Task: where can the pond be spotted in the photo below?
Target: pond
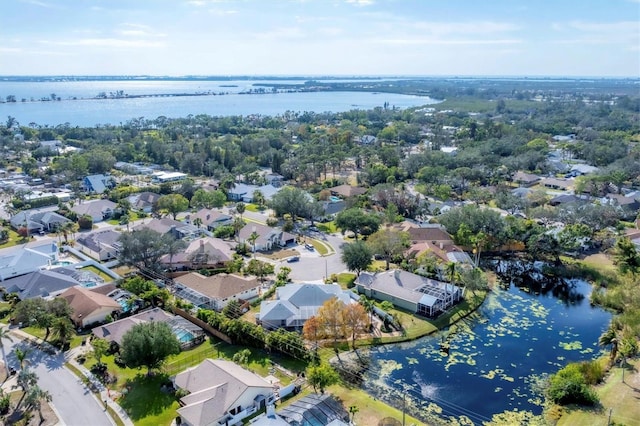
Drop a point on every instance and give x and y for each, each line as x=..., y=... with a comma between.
x=493, y=356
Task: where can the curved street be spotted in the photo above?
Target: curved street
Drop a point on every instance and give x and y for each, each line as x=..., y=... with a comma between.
x=74, y=404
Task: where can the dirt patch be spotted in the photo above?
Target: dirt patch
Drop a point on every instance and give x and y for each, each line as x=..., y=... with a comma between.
x=19, y=416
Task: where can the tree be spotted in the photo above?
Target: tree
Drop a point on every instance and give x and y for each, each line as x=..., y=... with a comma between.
x=321, y=376
x=357, y=221
x=357, y=256
x=100, y=349
x=35, y=397
x=626, y=256
x=331, y=318
x=388, y=243
x=242, y=357
x=312, y=331
x=355, y=321
x=21, y=356
x=62, y=330
x=41, y=313
x=5, y=334
x=232, y=309
x=208, y=200
x=290, y=200
x=143, y=247
x=259, y=269
x=173, y=204
x=148, y=345
x=252, y=240
x=240, y=208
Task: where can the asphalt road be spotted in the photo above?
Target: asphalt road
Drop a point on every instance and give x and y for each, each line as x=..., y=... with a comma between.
x=75, y=404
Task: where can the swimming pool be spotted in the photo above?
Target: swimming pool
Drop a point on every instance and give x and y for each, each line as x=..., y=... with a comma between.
x=334, y=199
x=89, y=284
x=184, y=336
x=62, y=263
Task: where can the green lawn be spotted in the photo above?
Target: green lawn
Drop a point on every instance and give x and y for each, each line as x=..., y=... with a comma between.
x=621, y=398
x=319, y=246
x=13, y=240
x=145, y=403
x=98, y=272
x=328, y=227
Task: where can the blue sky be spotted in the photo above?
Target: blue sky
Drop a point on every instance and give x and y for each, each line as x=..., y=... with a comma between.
x=320, y=37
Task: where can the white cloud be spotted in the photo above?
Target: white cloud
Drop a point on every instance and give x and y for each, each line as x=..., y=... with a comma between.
x=105, y=42
x=10, y=49
x=41, y=4
x=436, y=41
x=222, y=12
x=360, y=2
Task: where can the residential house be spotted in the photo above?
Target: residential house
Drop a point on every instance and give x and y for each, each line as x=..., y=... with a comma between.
x=629, y=206
x=144, y=201
x=555, y=183
x=274, y=179
x=184, y=330
x=216, y=291
x=268, y=238
x=526, y=179
x=89, y=307
x=98, y=184
x=165, y=225
x=23, y=259
x=210, y=218
x=409, y=291
x=166, y=177
x=205, y=252
x=346, y=191
x=565, y=199
x=100, y=245
x=42, y=283
x=243, y=192
x=99, y=210
x=38, y=220
x=366, y=140
x=221, y=393
x=294, y=304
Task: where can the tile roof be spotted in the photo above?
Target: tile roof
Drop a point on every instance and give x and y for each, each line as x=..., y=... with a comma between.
x=84, y=302
x=218, y=286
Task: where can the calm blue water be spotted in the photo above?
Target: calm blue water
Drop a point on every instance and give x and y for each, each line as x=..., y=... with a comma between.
x=86, y=111
x=184, y=336
x=493, y=356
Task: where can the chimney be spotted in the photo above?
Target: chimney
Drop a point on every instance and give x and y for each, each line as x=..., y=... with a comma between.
x=441, y=245
x=271, y=411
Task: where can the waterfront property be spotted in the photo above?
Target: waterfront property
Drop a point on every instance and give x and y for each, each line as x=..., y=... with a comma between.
x=409, y=291
x=294, y=304
x=221, y=393
x=216, y=291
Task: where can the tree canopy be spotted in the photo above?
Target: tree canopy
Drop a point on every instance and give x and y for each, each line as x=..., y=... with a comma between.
x=148, y=345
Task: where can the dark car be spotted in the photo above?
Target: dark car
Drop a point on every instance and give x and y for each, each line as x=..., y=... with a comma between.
x=293, y=259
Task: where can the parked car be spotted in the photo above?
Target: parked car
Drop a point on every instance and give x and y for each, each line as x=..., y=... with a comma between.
x=309, y=246
x=293, y=259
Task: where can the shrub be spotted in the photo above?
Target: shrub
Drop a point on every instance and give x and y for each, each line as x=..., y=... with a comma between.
x=569, y=386
x=272, y=221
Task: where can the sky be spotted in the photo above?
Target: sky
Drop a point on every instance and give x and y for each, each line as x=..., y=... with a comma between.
x=321, y=37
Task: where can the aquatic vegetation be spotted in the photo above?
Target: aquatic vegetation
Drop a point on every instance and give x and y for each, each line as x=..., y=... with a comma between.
x=571, y=346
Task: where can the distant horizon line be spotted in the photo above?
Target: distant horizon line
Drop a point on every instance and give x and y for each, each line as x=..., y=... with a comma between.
x=320, y=76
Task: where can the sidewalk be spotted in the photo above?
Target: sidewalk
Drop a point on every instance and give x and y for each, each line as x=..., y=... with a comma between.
x=104, y=395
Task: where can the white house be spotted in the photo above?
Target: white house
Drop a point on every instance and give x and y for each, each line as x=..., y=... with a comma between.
x=20, y=260
x=221, y=393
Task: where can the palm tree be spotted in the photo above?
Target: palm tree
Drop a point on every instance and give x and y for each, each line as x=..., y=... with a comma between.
x=610, y=337
x=4, y=334
x=21, y=356
x=197, y=222
x=252, y=239
x=34, y=398
x=368, y=306
x=240, y=208
x=62, y=330
x=26, y=380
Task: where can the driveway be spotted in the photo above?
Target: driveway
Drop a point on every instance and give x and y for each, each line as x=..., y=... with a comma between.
x=74, y=403
x=312, y=267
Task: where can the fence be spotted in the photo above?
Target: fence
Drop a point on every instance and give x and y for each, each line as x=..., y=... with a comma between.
x=197, y=357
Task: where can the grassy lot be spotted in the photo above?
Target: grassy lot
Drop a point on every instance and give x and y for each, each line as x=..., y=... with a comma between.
x=146, y=404
x=345, y=279
x=621, y=398
x=13, y=240
x=328, y=227
x=318, y=245
x=98, y=272
x=75, y=341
